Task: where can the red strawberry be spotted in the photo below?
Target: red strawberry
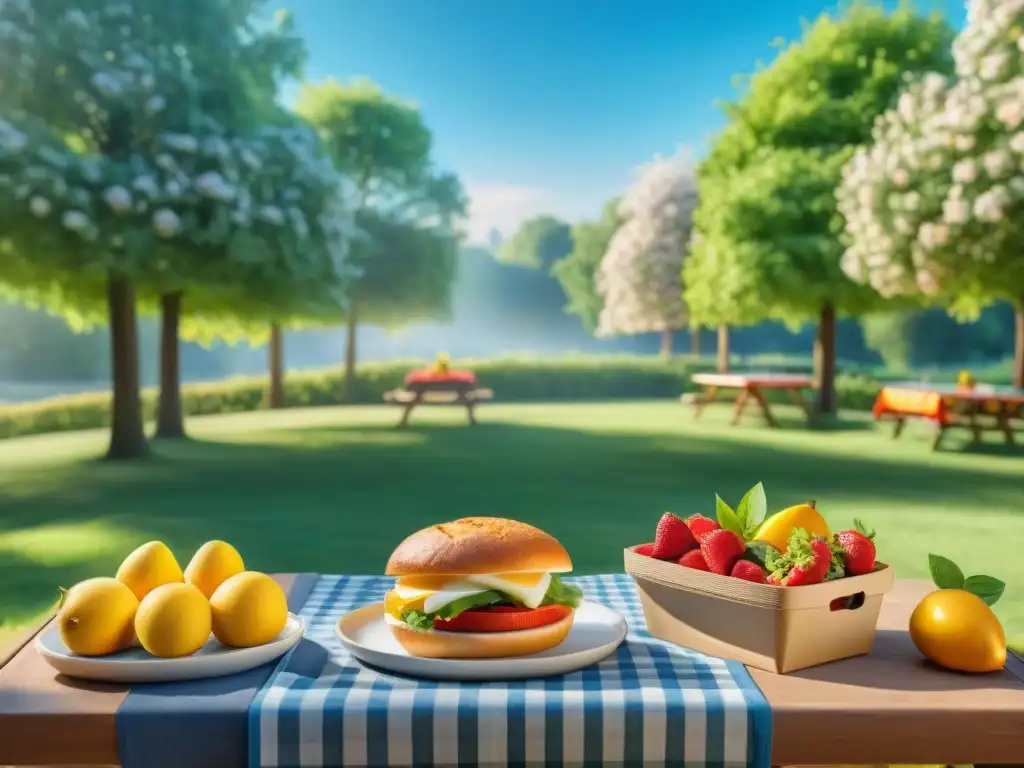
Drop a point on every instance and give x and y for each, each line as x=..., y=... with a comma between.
x=721, y=550
x=694, y=559
x=838, y=604
x=647, y=550
x=809, y=568
x=748, y=571
x=858, y=549
x=701, y=526
x=672, y=538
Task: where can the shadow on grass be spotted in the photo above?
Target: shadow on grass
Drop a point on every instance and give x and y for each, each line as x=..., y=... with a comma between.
x=338, y=499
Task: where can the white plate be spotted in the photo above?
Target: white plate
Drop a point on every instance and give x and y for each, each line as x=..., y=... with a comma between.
x=596, y=632
x=135, y=665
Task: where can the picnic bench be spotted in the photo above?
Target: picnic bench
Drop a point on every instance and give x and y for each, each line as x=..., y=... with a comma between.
x=752, y=387
x=889, y=706
x=456, y=388
x=978, y=409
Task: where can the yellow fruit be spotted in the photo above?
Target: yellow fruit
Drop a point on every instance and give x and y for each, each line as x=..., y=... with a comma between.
x=150, y=566
x=173, y=620
x=776, y=529
x=249, y=609
x=211, y=565
x=957, y=630
x=96, y=617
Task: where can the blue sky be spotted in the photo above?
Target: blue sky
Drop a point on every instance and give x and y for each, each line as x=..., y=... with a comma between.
x=548, y=105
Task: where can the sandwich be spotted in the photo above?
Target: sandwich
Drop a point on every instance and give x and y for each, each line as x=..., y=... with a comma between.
x=480, y=587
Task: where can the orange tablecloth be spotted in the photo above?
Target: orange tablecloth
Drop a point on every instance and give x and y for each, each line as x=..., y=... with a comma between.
x=425, y=375
x=938, y=405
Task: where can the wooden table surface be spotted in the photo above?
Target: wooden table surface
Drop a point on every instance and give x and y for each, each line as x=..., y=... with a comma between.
x=887, y=707
x=759, y=380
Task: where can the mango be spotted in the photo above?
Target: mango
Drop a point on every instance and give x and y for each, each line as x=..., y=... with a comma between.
x=777, y=529
x=150, y=566
x=213, y=564
x=96, y=617
x=249, y=609
x=957, y=630
x=173, y=620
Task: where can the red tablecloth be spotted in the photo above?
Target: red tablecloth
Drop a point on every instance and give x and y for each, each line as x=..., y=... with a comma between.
x=425, y=375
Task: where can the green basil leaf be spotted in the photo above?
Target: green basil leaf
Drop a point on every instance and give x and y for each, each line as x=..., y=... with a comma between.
x=945, y=573
x=727, y=518
x=987, y=588
x=752, y=508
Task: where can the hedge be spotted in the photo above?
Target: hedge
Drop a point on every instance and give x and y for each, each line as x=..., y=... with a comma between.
x=513, y=380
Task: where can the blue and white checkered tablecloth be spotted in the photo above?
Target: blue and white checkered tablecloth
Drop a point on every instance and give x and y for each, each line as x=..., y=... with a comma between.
x=650, y=703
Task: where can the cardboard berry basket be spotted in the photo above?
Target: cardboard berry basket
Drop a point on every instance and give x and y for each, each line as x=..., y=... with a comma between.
x=779, y=629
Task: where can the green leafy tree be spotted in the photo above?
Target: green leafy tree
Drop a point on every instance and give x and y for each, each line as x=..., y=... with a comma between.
x=539, y=243
x=577, y=272
x=769, y=233
x=933, y=207
x=382, y=144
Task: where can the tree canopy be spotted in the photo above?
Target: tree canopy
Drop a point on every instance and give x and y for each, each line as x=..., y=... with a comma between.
x=577, y=272
x=539, y=243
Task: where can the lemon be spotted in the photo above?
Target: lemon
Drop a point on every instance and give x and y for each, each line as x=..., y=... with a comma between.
x=150, y=566
x=211, y=565
x=249, y=609
x=96, y=616
x=957, y=630
x=777, y=529
x=173, y=620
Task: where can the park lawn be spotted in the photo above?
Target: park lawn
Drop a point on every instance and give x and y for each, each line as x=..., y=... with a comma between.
x=335, y=489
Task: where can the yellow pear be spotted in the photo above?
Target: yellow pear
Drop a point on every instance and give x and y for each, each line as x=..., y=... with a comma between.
x=957, y=630
x=777, y=529
x=150, y=566
x=96, y=615
x=173, y=620
x=211, y=565
x=249, y=609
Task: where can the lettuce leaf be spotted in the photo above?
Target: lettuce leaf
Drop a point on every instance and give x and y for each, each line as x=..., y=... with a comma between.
x=559, y=593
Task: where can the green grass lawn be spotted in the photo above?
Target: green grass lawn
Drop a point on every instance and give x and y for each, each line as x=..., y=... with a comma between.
x=335, y=489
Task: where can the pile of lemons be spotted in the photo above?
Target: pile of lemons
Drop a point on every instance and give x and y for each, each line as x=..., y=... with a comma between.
x=169, y=612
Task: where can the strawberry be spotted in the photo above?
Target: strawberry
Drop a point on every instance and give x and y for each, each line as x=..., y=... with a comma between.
x=773, y=579
x=721, y=550
x=858, y=549
x=701, y=526
x=672, y=539
x=647, y=550
x=694, y=559
x=809, y=568
x=748, y=571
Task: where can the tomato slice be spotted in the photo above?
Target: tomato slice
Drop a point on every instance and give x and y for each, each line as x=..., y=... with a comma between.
x=503, y=618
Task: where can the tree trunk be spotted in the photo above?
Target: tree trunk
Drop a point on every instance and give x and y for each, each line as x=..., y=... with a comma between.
x=170, y=421
x=1018, y=346
x=825, y=359
x=667, y=341
x=349, y=384
x=275, y=351
x=127, y=438
x=695, y=341
x=723, y=349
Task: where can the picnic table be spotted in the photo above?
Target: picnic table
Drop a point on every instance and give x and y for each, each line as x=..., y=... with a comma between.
x=978, y=409
x=651, y=703
x=752, y=386
x=430, y=387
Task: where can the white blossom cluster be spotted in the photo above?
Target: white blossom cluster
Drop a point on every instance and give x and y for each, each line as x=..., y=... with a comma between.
x=938, y=197
x=640, y=272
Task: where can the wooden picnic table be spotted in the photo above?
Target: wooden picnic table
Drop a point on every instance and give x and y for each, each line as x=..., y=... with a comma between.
x=978, y=409
x=458, y=388
x=752, y=386
x=890, y=706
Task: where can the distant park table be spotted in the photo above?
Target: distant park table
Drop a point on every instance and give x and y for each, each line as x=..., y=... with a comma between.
x=429, y=387
x=978, y=409
x=752, y=386
x=319, y=707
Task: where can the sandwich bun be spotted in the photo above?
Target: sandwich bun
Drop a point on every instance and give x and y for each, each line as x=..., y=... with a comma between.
x=437, y=644
x=472, y=545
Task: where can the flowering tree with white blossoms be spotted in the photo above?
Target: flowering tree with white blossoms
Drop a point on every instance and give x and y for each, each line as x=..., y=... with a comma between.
x=935, y=208
x=639, y=277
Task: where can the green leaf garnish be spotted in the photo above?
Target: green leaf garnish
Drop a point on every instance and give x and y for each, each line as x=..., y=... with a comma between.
x=987, y=588
x=945, y=573
x=752, y=509
x=727, y=518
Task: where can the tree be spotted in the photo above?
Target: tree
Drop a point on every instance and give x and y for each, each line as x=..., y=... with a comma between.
x=933, y=208
x=577, y=272
x=769, y=232
x=539, y=243
x=382, y=144
x=639, y=275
